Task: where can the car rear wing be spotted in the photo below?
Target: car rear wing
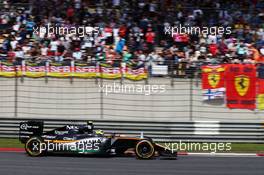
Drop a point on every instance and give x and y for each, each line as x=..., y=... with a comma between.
x=30, y=128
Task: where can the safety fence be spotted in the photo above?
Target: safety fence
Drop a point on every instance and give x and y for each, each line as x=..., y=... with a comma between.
x=156, y=99
x=198, y=131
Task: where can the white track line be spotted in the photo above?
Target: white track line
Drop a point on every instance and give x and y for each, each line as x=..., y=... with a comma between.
x=226, y=154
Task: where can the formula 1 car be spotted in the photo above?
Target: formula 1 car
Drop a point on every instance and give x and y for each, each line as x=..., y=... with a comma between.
x=85, y=140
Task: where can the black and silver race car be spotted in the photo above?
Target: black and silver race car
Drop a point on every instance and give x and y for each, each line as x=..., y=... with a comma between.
x=85, y=140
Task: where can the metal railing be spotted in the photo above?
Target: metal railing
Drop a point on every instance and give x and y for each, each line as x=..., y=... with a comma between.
x=159, y=131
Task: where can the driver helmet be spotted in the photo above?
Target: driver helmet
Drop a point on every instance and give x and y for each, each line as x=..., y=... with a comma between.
x=99, y=132
x=90, y=125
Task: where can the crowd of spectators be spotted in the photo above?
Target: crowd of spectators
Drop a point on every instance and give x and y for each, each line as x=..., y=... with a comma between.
x=132, y=31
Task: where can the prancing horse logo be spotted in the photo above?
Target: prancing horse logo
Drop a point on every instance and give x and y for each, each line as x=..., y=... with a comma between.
x=213, y=79
x=242, y=83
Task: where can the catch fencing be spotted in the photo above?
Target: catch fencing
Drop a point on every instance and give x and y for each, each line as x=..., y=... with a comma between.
x=173, y=99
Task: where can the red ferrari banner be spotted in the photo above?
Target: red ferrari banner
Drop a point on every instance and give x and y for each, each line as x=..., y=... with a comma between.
x=213, y=77
x=241, y=86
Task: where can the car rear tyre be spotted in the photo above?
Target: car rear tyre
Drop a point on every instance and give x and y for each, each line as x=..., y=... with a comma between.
x=35, y=147
x=145, y=149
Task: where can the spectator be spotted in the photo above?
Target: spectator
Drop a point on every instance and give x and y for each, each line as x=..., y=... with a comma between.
x=124, y=35
x=150, y=39
x=77, y=54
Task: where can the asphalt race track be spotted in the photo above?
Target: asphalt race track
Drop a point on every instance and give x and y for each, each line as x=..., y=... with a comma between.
x=21, y=164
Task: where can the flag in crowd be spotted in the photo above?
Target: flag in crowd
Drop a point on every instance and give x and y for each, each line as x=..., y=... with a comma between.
x=213, y=82
x=72, y=69
x=209, y=94
x=260, y=87
x=240, y=86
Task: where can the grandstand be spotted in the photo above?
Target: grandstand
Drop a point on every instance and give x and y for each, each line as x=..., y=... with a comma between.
x=122, y=40
x=141, y=38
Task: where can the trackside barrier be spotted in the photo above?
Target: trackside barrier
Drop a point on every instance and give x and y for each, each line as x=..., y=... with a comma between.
x=197, y=131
